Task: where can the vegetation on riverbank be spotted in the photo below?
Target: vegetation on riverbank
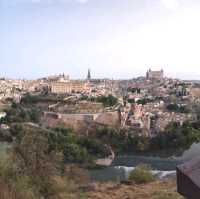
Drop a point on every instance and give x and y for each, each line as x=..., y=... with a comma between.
x=175, y=136
x=141, y=174
x=77, y=149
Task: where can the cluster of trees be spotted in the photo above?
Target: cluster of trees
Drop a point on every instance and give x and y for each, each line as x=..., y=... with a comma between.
x=131, y=101
x=75, y=149
x=134, y=90
x=175, y=136
x=122, y=141
x=107, y=101
x=32, y=169
x=18, y=113
x=144, y=101
x=112, y=137
x=33, y=99
x=178, y=108
x=28, y=110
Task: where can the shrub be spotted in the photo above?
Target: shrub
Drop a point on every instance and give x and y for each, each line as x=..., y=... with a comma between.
x=141, y=174
x=107, y=100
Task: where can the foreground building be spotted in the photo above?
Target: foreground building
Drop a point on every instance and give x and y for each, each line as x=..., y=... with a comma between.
x=188, y=179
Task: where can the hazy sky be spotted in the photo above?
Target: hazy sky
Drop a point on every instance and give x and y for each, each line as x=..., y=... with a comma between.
x=115, y=38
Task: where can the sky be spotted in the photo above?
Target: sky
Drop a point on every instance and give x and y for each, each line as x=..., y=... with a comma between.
x=114, y=38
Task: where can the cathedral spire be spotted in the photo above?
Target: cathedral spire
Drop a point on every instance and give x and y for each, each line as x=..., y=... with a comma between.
x=89, y=75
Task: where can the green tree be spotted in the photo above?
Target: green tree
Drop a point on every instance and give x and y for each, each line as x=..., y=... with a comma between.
x=32, y=159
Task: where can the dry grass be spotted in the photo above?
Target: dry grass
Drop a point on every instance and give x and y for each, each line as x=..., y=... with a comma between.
x=68, y=190
x=7, y=193
x=154, y=190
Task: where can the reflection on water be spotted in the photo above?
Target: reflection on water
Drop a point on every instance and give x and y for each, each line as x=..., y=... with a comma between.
x=123, y=164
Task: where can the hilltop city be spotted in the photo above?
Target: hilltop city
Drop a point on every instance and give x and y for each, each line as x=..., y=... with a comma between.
x=147, y=103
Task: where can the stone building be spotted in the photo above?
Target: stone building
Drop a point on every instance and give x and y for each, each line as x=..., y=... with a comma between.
x=155, y=75
x=60, y=87
x=63, y=85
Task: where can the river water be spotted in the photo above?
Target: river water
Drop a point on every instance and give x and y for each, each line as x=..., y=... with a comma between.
x=161, y=166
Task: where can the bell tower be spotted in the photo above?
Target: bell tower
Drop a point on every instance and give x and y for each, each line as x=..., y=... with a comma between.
x=89, y=75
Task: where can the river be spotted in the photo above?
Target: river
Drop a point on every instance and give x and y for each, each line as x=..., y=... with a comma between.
x=161, y=166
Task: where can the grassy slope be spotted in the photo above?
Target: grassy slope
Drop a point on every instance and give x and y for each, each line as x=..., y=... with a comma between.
x=154, y=190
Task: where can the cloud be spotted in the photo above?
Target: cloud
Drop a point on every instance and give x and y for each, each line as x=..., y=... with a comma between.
x=170, y=4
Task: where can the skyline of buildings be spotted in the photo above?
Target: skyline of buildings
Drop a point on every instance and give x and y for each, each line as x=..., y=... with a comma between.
x=89, y=74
